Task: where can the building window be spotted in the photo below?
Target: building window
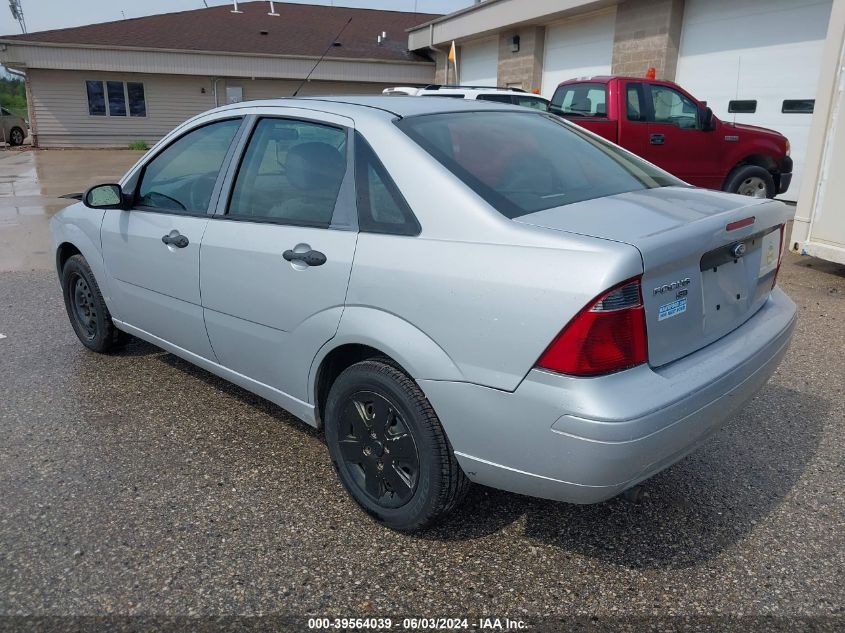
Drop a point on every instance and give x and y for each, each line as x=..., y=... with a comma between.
x=798, y=106
x=117, y=99
x=116, y=95
x=743, y=106
x=137, y=104
x=96, y=98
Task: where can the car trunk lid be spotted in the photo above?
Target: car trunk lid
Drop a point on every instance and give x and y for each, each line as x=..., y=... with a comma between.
x=709, y=258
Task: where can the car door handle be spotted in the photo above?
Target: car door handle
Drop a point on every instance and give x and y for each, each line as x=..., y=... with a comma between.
x=174, y=238
x=656, y=139
x=309, y=258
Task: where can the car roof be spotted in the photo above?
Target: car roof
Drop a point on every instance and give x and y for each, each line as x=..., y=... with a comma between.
x=401, y=106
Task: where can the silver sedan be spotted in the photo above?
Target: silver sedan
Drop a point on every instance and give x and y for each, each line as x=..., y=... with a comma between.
x=456, y=291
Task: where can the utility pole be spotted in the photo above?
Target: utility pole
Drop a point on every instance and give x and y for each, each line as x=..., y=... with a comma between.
x=17, y=13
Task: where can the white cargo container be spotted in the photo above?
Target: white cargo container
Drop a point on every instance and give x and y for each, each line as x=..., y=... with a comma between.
x=819, y=228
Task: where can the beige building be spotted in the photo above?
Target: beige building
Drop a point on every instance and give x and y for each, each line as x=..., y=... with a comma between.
x=134, y=80
x=753, y=61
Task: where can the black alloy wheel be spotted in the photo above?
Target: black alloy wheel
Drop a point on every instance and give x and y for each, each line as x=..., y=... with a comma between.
x=388, y=447
x=377, y=449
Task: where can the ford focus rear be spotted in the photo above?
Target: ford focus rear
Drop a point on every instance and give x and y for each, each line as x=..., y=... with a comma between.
x=455, y=291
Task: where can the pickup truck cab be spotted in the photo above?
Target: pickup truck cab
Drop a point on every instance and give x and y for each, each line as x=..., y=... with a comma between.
x=661, y=122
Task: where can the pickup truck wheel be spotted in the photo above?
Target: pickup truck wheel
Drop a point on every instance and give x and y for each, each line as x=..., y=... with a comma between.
x=87, y=309
x=389, y=449
x=751, y=180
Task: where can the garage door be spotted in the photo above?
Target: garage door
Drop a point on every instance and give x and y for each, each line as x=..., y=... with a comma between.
x=763, y=51
x=479, y=63
x=578, y=48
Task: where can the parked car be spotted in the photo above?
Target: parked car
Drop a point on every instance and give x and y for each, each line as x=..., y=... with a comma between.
x=511, y=96
x=456, y=291
x=667, y=126
x=14, y=127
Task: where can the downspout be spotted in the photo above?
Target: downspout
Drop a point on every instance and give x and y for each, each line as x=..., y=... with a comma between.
x=214, y=81
x=431, y=47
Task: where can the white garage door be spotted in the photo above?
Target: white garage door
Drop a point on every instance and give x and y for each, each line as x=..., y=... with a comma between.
x=479, y=63
x=578, y=48
x=766, y=51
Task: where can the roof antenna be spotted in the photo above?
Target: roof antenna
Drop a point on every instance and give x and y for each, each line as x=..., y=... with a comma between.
x=334, y=43
x=236, y=10
x=273, y=9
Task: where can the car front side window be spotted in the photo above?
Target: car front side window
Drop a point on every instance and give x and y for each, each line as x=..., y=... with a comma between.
x=291, y=173
x=181, y=178
x=671, y=107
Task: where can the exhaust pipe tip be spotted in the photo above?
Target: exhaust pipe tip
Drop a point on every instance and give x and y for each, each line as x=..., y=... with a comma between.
x=634, y=494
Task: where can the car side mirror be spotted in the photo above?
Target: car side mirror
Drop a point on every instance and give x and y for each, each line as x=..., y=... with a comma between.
x=108, y=196
x=555, y=109
x=707, y=120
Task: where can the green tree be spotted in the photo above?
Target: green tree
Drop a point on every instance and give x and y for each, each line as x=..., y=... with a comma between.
x=13, y=95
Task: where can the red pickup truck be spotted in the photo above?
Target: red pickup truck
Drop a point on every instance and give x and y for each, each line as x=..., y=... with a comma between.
x=667, y=126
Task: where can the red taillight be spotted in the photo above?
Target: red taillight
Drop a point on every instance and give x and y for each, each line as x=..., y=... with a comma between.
x=608, y=335
x=782, y=229
x=733, y=226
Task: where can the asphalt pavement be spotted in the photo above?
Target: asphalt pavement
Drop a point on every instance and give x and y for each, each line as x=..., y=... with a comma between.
x=136, y=485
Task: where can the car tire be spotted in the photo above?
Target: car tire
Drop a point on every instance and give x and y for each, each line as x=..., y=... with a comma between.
x=389, y=449
x=751, y=180
x=87, y=309
x=16, y=136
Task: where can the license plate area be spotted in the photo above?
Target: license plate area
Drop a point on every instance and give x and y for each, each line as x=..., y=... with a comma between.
x=731, y=279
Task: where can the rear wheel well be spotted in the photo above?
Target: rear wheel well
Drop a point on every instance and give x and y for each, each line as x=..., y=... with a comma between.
x=65, y=251
x=335, y=363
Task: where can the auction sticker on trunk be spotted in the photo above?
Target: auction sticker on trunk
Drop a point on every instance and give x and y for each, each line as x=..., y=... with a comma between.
x=771, y=248
x=668, y=310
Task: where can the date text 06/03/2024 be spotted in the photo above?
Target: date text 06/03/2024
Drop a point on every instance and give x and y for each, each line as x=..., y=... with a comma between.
x=418, y=624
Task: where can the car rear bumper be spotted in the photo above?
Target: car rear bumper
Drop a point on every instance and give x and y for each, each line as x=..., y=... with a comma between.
x=584, y=440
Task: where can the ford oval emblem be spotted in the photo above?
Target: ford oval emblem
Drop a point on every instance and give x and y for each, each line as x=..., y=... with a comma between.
x=738, y=250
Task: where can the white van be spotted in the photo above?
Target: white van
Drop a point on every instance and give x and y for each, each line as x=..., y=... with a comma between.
x=511, y=96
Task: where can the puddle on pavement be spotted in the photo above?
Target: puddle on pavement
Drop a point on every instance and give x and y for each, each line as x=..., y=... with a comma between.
x=30, y=183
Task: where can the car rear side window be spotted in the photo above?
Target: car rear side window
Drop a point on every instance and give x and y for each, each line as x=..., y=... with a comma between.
x=538, y=103
x=181, y=178
x=495, y=98
x=526, y=162
x=381, y=207
x=583, y=99
x=291, y=173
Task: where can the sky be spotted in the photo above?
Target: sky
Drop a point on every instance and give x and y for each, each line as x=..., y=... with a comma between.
x=41, y=15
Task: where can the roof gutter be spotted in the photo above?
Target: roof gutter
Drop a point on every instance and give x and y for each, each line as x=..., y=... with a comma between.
x=188, y=51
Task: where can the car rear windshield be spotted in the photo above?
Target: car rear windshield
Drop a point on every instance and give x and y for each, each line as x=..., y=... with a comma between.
x=526, y=162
